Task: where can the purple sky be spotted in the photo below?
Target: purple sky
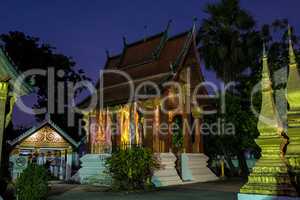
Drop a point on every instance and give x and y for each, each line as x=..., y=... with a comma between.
x=84, y=29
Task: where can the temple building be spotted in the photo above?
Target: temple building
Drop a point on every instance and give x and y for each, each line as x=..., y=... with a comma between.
x=146, y=94
x=45, y=144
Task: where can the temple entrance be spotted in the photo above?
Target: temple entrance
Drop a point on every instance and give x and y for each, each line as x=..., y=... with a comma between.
x=54, y=160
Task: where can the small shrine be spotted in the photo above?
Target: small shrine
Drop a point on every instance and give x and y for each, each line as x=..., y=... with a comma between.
x=45, y=144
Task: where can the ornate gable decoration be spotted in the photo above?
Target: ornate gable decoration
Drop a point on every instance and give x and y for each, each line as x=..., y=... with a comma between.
x=45, y=137
x=47, y=134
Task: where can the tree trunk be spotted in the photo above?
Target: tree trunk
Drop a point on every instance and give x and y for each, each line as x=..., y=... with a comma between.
x=243, y=164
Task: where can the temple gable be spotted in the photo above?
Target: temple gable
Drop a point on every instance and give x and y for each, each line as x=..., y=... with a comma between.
x=45, y=137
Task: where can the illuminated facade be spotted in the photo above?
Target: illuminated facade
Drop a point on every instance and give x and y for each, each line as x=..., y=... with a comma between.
x=46, y=145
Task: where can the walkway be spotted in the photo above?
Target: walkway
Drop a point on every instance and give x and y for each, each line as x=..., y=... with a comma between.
x=221, y=190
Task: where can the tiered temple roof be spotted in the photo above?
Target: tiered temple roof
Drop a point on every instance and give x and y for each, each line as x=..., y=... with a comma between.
x=157, y=59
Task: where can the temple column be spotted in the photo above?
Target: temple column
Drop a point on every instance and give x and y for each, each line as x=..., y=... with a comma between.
x=3, y=101
x=69, y=163
x=156, y=121
x=56, y=167
x=92, y=131
x=186, y=133
x=198, y=145
x=170, y=130
x=62, y=163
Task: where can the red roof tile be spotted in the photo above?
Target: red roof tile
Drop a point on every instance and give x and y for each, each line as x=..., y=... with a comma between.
x=138, y=62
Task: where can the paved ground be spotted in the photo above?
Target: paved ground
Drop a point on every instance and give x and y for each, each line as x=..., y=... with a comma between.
x=221, y=190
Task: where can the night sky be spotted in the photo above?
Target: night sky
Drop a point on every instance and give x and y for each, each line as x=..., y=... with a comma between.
x=84, y=29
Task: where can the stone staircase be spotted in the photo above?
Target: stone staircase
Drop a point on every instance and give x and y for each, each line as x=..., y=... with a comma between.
x=167, y=174
x=92, y=170
x=194, y=168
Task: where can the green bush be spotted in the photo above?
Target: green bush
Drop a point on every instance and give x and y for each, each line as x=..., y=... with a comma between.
x=177, y=138
x=131, y=168
x=32, y=184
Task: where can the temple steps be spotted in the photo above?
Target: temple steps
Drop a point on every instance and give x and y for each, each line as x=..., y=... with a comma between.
x=194, y=168
x=167, y=174
x=92, y=170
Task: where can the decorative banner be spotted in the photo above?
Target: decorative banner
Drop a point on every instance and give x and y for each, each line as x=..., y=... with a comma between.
x=108, y=130
x=125, y=125
x=136, y=123
x=101, y=128
x=132, y=125
x=93, y=132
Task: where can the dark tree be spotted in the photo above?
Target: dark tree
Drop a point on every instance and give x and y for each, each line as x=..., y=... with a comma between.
x=29, y=52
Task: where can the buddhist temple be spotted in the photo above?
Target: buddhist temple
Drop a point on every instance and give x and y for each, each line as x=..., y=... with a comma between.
x=162, y=75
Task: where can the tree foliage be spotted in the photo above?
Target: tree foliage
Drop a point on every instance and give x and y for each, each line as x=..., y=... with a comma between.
x=131, y=168
x=228, y=39
x=231, y=45
x=29, y=53
x=32, y=184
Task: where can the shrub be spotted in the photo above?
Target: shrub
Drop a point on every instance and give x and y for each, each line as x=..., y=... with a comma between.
x=131, y=168
x=32, y=184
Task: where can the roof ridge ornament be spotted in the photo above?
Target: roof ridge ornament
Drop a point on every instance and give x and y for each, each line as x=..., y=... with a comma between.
x=168, y=25
x=107, y=53
x=163, y=41
x=124, y=41
x=146, y=33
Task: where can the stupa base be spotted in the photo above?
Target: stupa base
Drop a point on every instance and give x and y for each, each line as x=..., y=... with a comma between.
x=264, y=197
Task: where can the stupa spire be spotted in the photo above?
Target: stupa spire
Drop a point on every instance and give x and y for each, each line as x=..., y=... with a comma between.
x=293, y=87
x=292, y=56
x=293, y=114
x=268, y=120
